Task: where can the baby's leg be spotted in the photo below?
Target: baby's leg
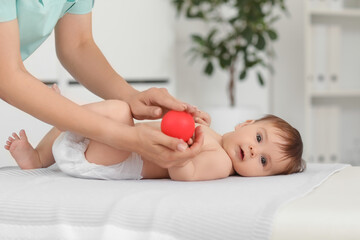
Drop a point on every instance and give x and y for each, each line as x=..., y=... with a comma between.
x=44, y=148
x=29, y=158
x=103, y=154
x=25, y=155
x=97, y=152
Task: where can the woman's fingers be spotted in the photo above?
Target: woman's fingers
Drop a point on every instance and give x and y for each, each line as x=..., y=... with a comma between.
x=161, y=97
x=153, y=103
x=190, y=141
x=166, y=151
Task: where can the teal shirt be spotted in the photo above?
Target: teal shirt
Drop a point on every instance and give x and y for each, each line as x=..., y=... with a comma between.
x=37, y=18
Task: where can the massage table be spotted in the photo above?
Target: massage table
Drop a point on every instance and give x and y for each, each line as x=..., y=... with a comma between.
x=321, y=203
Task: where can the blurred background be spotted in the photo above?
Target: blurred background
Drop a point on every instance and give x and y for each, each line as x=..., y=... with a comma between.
x=315, y=84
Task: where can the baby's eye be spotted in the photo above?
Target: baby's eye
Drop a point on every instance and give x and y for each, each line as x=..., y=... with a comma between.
x=263, y=161
x=258, y=137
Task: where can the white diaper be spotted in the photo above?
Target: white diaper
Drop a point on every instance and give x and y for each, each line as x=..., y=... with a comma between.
x=69, y=153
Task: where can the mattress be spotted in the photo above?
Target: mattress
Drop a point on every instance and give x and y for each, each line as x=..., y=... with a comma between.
x=332, y=211
x=47, y=204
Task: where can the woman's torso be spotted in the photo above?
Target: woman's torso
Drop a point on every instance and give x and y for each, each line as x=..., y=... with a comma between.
x=37, y=19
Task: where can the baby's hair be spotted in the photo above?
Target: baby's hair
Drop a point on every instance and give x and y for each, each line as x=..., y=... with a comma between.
x=292, y=146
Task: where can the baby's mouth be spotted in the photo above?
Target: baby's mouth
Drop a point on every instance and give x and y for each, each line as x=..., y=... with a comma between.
x=241, y=154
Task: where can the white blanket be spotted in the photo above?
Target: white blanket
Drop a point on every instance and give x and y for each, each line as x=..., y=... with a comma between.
x=47, y=204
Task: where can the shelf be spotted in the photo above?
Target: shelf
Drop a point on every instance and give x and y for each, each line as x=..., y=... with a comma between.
x=335, y=93
x=332, y=110
x=335, y=13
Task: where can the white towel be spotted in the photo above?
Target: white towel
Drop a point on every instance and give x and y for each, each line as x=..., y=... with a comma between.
x=46, y=204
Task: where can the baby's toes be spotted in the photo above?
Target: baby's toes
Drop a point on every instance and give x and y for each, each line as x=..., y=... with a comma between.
x=8, y=144
x=15, y=136
x=22, y=134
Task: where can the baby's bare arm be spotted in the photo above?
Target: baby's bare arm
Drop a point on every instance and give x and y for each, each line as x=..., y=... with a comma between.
x=207, y=165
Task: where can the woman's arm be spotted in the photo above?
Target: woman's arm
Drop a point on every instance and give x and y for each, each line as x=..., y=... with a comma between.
x=80, y=55
x=22, y=90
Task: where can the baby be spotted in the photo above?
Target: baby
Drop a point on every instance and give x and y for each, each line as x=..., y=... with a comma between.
x=263, y=147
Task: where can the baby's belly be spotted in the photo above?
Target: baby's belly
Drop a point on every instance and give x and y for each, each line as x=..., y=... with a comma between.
x=153, y=171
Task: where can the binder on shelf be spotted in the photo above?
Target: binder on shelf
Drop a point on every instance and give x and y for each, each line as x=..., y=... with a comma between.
x=322, y=4
x=313, y=4
x=319, y=56
x=326, y=125
x=351, y=3
x=336, y=4
x=332, y=123
x=319, y=135
x=334, y=55
x=326, y=4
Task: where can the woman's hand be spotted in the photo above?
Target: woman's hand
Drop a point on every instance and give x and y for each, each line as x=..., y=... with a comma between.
x=166, y=151
x=154, y=103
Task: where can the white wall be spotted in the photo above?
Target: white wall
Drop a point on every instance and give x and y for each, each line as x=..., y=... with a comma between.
x=136, y=36
x=289, y=89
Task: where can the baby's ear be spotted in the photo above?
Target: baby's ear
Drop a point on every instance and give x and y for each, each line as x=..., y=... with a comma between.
x=247, y=122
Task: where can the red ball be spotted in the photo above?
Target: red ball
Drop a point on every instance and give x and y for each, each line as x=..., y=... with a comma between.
x=178, y=124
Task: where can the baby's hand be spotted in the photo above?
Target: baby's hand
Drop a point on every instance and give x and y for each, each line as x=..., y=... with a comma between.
x=202, y=118
x=199, y=116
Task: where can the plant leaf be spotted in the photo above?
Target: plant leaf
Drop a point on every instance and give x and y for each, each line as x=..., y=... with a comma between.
x=190, y=13
x=242, y=75
x=209, y=68
x=211, y=34
x=247, y=34
x=250, y=64
x=198, y=39
x=261, y=42
x=260, y=79
x=272, y=34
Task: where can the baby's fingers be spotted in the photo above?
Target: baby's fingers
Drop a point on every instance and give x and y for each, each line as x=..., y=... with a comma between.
x=200, y=121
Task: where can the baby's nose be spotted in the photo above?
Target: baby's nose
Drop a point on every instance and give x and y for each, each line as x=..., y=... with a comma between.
x=253, y=151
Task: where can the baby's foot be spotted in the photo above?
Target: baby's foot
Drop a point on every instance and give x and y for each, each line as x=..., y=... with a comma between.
x=22, y=151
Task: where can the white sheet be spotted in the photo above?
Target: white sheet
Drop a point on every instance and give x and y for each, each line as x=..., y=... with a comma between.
x=46, y=204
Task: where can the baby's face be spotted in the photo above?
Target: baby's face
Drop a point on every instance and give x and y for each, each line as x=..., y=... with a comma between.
x=254, y=149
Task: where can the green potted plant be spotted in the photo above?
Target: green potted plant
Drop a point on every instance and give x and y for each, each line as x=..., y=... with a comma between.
x=238, y=38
